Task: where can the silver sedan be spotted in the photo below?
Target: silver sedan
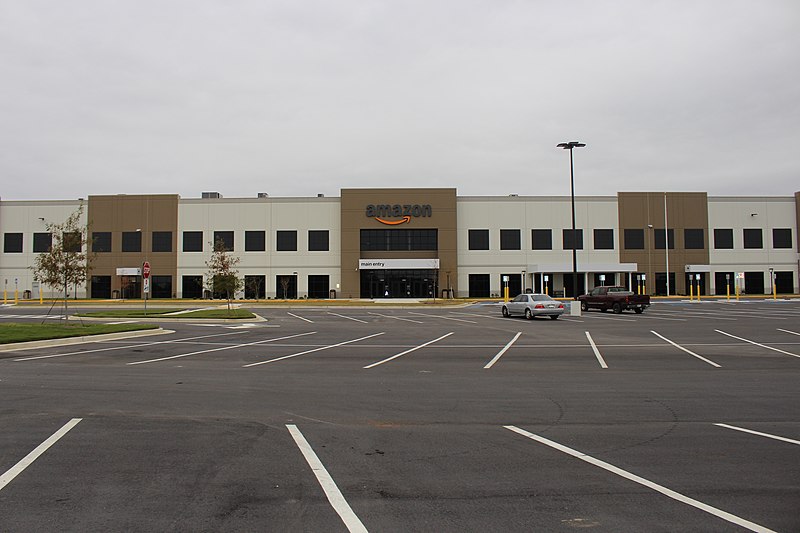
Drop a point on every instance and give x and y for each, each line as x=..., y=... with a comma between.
x=531, y=305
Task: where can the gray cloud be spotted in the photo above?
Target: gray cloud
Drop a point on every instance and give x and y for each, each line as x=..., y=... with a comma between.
x=296, y=98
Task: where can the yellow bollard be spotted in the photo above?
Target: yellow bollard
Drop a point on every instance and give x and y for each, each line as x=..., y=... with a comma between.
x=5, y=297
x=545, y=289
x=774, y=291
x=691, y=291
x=505, y=293
x=41, y=298
x=728, y=292
x=16, y=296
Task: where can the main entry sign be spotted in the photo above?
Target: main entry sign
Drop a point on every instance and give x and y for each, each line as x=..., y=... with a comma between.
x=398, y=264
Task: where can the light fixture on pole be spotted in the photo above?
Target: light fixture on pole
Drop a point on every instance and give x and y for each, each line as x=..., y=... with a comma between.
x=569, y=146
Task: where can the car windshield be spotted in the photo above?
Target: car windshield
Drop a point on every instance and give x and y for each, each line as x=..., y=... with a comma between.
x=541, y=297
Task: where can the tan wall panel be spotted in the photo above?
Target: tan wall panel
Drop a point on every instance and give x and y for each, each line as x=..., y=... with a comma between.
x=685, y=210
x=354, y=218
x=122, y=213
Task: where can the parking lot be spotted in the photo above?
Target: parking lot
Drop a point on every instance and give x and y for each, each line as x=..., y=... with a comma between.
x=684, y=418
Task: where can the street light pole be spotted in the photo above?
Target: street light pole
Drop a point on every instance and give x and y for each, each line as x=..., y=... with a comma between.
x=569, y=146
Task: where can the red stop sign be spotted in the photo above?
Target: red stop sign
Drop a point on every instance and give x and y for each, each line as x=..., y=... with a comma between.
x=146, y=270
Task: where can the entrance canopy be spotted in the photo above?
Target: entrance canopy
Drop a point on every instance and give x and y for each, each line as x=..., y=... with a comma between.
x=583, y=266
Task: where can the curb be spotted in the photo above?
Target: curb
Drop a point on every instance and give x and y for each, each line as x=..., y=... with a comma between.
x=16, y=346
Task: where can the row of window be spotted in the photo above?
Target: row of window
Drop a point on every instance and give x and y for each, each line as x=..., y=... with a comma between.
x=633, y=239
x=254, y=241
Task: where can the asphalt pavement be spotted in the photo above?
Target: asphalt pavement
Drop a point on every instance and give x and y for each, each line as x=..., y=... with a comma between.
x=684, y=418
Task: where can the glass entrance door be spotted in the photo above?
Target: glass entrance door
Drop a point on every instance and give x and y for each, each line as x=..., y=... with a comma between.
x=398, y=283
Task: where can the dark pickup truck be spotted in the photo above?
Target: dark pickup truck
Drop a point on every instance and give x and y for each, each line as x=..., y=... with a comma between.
x=617, y=299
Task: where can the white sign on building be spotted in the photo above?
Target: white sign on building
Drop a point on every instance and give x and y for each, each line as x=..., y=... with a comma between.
x=398, y=264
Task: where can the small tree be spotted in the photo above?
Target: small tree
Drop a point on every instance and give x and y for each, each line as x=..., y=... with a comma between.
x=222, y=275
x=68, y=261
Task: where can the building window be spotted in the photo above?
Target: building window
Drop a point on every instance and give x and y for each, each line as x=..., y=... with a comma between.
x=604, y=239
x=479, y=239
x=384, y=240
x=161, y=286
x=318, y=241
x=509, y=239
x=658, y=238
x=100, y=287
x=566, y=237
x=753, y=238
x=42, y=242
x=192, y=286
x=255, y=287
x=131, y=241
x=723, y=239
x=255, y=241
x=71, y=241
x=479, y=285
x=541, y=239
x=319, y=286
x=101, y=241
x=162, y=242
x=634, y=239
x=12, y=243
x=782, y=237
x=694, y=239
x=226, y=240
x=192, y=241
x=286, y=241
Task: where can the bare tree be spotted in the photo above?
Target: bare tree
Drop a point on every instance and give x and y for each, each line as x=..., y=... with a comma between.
x=285, y=286
x=68, y=261
x=222, y=277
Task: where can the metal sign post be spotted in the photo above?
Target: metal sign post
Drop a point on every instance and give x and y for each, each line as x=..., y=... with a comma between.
x=145, y=283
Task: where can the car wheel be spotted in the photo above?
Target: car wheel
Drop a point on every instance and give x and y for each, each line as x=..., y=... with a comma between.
x=617, y=308
x=553, y=317
x=639, y=310
x=505, y=312
x=528, y=314
x=584, y=306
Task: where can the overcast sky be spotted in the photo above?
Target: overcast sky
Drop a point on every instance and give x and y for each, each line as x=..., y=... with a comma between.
x=296, y=98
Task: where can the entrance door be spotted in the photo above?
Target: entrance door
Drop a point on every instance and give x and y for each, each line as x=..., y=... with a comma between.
x=514, y=285
x=724, y=278
x=568, y=285
x=784, y=282
x=286, y=287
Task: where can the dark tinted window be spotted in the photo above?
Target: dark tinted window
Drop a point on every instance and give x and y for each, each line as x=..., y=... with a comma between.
x=71, y=241
x=286, y=241
x=479, y=285
x=782, y=238
x=634, y=239
x=317, y=242
x=694, y=239
x=42, y=242
x=604, y=239
x=567, y=239
x=509, y=239
x=255, y=241
x=541, y=239
x=399, y=239
x=192, y=241
x=101, y=241
x=479, y=239
x=12, y=243
x=658, y=238
x=227, y=240
x=131, y=241
x=723, y=239
x=753, y=238
x=162, y=242
x=319, y=286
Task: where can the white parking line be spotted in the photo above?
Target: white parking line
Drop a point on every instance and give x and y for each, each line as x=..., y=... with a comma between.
x=264, y=341
x=752, y=526
x=408, y=351
x=787, y=331
x=444, y=317
x=757, y=344
x=26, y=461
x=712, y=363
x=301, y=318
x=619, y=319
x=349, y=318
x=314, y=350
x=482, y=316
x=397, y=318
x=128, y=346
x=776, y=437
x=596, y=351
x=491, y=363
x=332, y=492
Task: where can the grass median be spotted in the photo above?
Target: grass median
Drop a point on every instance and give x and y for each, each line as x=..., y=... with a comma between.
x=240, y=314
x=19, y=332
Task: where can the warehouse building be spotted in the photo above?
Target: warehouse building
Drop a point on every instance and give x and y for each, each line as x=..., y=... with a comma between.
x=418, y=243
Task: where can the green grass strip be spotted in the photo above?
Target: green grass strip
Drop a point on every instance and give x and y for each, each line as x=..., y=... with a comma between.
x=23, y=332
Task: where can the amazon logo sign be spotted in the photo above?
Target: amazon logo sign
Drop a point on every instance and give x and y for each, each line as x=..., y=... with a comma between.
x=393, y=215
